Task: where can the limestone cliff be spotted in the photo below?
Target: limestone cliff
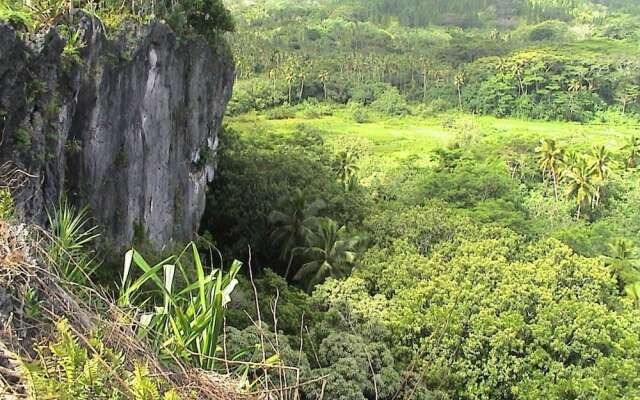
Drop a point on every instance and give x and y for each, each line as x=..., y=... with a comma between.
x=128, y=128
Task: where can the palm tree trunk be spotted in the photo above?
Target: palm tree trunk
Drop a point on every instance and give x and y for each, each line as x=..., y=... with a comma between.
x=286, y=274
x=424, y=86
x=555, y=184
x=301, y=90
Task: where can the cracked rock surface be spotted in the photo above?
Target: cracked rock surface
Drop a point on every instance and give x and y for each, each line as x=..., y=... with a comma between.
x=130, y=129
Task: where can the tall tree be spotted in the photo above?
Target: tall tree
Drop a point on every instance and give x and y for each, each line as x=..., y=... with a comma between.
x=459, y=81
x=324, y=77
x=293, y=222
x=550, y=160
x=632, y=149
x=600, y=168
x=581, y=187
x=346, y=167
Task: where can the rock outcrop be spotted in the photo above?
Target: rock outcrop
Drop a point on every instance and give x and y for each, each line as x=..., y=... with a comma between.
x=126, y=125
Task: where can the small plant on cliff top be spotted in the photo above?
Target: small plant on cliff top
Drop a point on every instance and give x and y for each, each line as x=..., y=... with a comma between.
x=19, y=19
x=7, y=207
x=71, y=51
x=34, y=14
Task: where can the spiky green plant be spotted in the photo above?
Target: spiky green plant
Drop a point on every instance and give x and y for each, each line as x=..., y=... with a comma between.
x=189, y=321
x=71, y=51
x=16, y=16
x=69, y=245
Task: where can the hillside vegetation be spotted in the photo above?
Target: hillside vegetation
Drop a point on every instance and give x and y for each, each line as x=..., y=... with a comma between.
x=413, y=199
x=445, y=191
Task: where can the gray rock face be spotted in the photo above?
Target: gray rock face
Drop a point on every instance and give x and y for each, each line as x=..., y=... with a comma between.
x=130, y=131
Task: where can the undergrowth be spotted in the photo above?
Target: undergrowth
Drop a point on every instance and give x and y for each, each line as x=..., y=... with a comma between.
x=67, y=368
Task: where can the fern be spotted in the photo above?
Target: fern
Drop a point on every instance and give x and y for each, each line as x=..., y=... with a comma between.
x=66, y=370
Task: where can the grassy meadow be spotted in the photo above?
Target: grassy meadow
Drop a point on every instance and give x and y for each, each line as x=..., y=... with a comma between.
x=387, y=142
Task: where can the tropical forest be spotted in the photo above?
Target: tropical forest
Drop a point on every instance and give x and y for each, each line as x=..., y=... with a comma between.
x=320, y=199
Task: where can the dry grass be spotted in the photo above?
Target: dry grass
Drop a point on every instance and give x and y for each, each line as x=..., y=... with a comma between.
x=20, y=271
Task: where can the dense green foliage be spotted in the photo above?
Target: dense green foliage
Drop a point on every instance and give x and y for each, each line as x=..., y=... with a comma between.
x=491, y=264
x=546, y=59
x=433, y=200
x=461, y=286
x=203, y=17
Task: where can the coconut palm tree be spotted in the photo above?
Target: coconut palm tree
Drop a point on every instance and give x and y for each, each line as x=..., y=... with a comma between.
x=459, y=81
x=302, y=76
x=633, y=291
x=622, y=259
x=346, y=167
x=632, y=149
x=569, y=159
x=324, y=77
x=581, y=186
x=621, y=249
x=330, y=251
x=550, y=160
x=600, y=168
x=293, y=222
x=601, y=162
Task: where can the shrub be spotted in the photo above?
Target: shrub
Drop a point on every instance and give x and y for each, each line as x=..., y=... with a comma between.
x=282, y=112
x=435, y=106
x=69, y=248
x=313, y=109
x=367, y=93
x=492, y=312
x=23, y=140
x=256, y=94
x=351, y=365
x=279, y=350
x=470, y=183
x=615, y=117
x=360, y=115
x=423, y=226
x=391, y=102
x=548, y=30
x=204, y=17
